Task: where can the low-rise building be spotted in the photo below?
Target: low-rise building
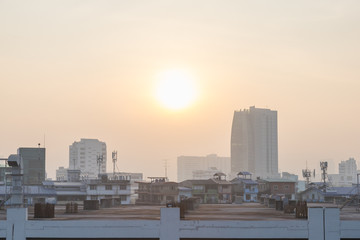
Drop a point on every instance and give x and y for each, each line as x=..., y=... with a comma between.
x=94, y=189
x=284, y=187
x=61, y=174
x=104, y=188
x=133, y=178
x=158, y=191
x=337, y=195
x=244, y=189
x=67, y=191
x=214, y=190
x=32, y=194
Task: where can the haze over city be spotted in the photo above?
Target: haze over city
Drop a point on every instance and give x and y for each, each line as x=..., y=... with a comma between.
x=99, y=69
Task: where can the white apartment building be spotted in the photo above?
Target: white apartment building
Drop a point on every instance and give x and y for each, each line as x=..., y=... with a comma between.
x=61, y=174
x=88, y=156
x=187, y=166
x=347, y=174
x=348, y=170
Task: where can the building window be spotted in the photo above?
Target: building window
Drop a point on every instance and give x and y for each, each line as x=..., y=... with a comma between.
x=275, y=187
x=108, y=187
x=122, y=187
x=286, y=186
x=92, y=187
x=123, y=198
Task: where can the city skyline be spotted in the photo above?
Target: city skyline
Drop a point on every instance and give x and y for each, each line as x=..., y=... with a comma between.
x=73, y=70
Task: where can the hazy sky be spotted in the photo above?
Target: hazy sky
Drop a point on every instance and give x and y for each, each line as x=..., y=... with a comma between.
x=88, y=69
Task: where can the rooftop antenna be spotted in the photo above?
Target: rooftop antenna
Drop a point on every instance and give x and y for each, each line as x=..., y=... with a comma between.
x=324, y=166
x=114, y=159
x=307, y=175
x=166, y=166
x=99, y=161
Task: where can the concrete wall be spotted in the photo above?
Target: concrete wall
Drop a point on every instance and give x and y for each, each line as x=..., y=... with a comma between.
x=323, y=223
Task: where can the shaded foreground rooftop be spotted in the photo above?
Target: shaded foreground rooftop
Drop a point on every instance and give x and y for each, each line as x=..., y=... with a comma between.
x=241, y=212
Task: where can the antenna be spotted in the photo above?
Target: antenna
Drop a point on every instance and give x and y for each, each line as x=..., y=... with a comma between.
x=166, y=166
x=307, y=175
x=324, y=166
x=99, y=161
x=114, y=159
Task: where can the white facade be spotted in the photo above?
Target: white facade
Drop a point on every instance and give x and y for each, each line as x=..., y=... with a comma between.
x=133, y=178
x=347, y=174
x=83, y=155
x=61, y=174
x=347, y=171
x=254, y=142
x=107, y=190
x=187, y=165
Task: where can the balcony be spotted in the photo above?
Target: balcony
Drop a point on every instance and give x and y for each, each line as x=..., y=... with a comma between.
x=255, y=190
x=212, y=191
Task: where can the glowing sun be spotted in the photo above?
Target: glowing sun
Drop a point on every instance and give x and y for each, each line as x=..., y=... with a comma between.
x=176, y=89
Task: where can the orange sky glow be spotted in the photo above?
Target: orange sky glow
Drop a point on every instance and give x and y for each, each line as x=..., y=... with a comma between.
x=88, y=69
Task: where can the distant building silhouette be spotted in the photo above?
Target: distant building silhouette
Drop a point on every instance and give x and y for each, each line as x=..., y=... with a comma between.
x=192, y=167
x=254, y=142
x=83, y=155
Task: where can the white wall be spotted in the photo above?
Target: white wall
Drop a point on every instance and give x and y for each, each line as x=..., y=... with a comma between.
x=323, y=223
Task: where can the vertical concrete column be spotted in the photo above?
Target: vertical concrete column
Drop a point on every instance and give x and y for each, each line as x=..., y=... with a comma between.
x=169, y=223
x=15, y=223
x=332, y=223
x=316, y=223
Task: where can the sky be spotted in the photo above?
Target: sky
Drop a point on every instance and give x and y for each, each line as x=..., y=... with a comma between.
x=88, y=69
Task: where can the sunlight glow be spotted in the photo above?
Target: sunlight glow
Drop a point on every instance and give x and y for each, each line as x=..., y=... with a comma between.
x=176, y=89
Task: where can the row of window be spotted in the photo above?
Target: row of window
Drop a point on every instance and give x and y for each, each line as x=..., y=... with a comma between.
x=122, y=197
x=107, y=187
x=276, y=187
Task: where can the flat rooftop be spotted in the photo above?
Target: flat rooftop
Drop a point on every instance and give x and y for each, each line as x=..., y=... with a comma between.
x=241, y=212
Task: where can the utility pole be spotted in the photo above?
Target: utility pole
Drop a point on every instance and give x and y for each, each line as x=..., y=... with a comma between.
x=166, y=166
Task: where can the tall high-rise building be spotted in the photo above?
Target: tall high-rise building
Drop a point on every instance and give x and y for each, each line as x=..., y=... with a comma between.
x=84, y=156
x=254, y=142
x=33, y=165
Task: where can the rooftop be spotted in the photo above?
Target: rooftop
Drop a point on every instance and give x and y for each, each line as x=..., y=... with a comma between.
x=241, y=212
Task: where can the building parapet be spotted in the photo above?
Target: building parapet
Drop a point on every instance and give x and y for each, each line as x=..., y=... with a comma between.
x=322, y=223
